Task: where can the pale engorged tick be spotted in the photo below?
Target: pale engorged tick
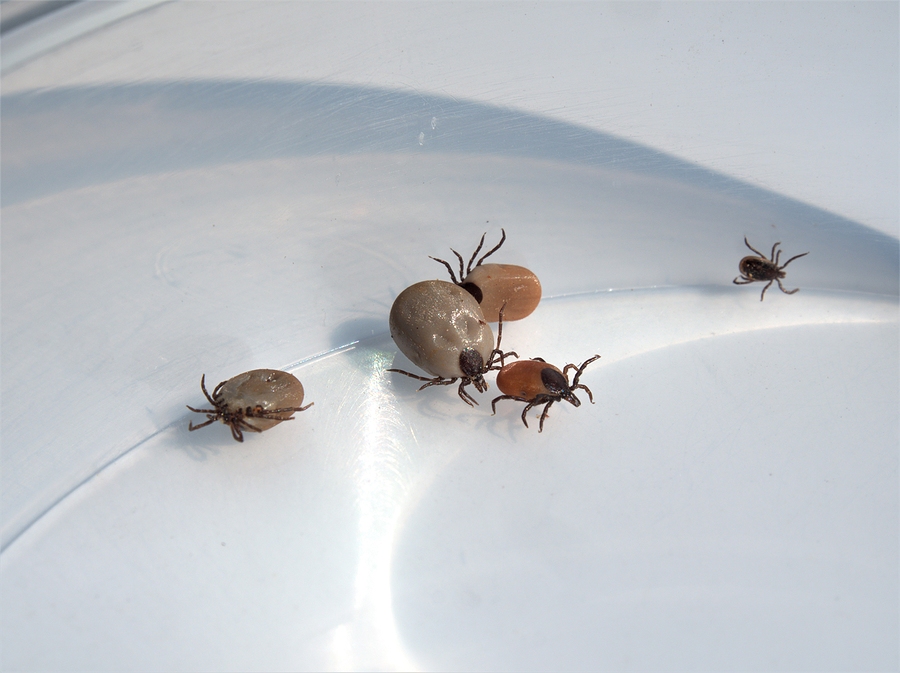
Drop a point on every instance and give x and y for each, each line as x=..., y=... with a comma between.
x=537, y=382
x=497, y=285
x=252, y=401
x=441, y=328
x=760, y=269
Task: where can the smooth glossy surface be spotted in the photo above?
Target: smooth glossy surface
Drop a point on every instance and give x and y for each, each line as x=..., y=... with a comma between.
x=221, y=186
x=434, y=321
x=522, y=378
x=505, y=285
x=269, y=389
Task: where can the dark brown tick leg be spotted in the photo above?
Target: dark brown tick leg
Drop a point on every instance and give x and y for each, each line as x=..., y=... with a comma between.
x=489, y=252
x=796, y=289
x=203, y=388
x=754, y=249
x=544, y=415
x=505, y=397
x=445, y=263
x=464, y=394
x=474, y=255
x=580, y=371
x=192, y=427
x=585, y=389
x=763, y=295
x=793, y=258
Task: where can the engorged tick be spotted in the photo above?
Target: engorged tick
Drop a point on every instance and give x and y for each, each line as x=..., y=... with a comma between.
x=537, y=382
x=497, y=285
x=254, y=401
x=759, y=268
x=440, y=327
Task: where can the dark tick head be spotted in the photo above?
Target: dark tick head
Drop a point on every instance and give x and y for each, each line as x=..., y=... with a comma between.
x=557, y=384
x=472, y=365
x=473, y=290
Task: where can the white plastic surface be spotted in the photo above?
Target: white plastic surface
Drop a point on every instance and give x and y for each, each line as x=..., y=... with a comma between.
x=730, y=501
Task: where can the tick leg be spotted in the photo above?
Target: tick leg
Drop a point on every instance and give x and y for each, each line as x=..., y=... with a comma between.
x=754, y=249
x=216, y=391
x=411, y=375
x=459, y=257
x=452, y=275
x=239, y=425
x=792, y=259
x=525, y=411
x=544, y=415
x=796, y=289
x=192, y=427
x=772, y=256
x=464, y=394
x=203, y=388
x=768, y=285
x=585, y=389
x=539, y=399
x=436, y=382
x=581, y=369
x=491, y=366
x=474, y=255
x=491, y=251
x=505, y=397
x=777, y=258
x=742, y=280
x=202, y=411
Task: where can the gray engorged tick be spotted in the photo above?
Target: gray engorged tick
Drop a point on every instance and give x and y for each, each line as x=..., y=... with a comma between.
x=253, y=401
x=440, y=328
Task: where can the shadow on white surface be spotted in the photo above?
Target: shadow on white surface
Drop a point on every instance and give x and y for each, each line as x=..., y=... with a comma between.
x=731, y=498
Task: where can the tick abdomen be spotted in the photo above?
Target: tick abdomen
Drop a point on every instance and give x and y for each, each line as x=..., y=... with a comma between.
x=499, y=285
x=434, y=321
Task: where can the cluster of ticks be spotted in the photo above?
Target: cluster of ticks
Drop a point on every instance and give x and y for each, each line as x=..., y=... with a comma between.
x=443, y=328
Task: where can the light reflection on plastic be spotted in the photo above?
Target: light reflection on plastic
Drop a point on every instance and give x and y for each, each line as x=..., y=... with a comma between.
x=371, y=640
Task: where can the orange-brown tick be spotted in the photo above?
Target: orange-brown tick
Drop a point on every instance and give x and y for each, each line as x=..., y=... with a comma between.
x=497, y=285
x=252, y=401
x=537, y=382
x=760, y=269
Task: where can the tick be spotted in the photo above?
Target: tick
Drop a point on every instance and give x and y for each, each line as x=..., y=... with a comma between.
x=759, y=268
x=497, y=285
x=440, y=328
x=253, y=401
x=537, y=382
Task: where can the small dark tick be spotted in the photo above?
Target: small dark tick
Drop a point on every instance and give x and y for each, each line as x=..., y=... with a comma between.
x=761, y=269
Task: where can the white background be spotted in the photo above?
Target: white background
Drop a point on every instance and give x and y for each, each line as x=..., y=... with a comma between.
x=215, y=187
